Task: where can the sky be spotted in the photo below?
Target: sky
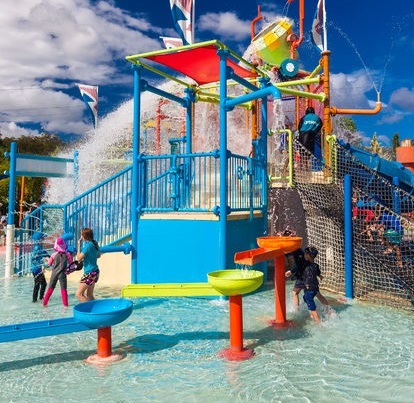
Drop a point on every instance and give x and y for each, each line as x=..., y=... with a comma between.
x=48, y=46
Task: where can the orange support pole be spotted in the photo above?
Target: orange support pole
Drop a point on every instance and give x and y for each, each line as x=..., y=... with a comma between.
x=280, y=293
x=236, y=322
x=236, y=351
x=104, y=342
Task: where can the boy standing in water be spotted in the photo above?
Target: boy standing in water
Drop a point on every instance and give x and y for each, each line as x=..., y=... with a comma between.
x=311, y=274
x=297, y=264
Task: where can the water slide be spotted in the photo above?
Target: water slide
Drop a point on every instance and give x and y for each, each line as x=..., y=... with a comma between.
x=387, y=169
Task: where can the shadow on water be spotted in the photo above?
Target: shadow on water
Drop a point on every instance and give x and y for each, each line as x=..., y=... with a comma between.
x=150, y=343
x=69, y=356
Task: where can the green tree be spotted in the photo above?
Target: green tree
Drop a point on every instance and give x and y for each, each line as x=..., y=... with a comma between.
x=346, y=129
x=395, y=144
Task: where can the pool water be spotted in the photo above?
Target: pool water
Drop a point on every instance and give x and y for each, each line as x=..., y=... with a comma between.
x=362, y=353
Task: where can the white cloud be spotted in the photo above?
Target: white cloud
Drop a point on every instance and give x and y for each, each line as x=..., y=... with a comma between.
x=349, y=90
x=403, y=98
x=48, y=45
x=226, y=26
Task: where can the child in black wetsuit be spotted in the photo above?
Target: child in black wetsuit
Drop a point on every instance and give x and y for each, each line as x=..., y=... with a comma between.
x=37, y=261
x=297, y=264
x=59, y=262
x=310, y=277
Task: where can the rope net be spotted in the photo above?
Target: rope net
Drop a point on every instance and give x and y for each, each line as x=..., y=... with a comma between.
x=383, y=227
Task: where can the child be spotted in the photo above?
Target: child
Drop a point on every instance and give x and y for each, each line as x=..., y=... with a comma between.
x=37, y=260
x=297, y=264
x=59, y=262
x=88, y=254
x=311, y=283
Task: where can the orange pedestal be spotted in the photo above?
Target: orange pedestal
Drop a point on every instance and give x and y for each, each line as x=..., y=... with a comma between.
x=236, y=351
x=280, y=294
x=104, y=354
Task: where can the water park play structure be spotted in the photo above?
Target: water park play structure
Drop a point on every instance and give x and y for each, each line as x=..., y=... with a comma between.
x=191, y=212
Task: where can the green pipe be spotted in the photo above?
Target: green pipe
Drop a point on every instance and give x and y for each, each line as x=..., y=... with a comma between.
x=303, y=81
x=320, y=96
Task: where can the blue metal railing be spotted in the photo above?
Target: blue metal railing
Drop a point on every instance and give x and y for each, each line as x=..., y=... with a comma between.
x=106, y=208
x=166, y=183
x=190, y=182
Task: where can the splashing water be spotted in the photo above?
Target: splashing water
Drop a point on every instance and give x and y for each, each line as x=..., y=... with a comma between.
x=352, y=44
x=105, y=149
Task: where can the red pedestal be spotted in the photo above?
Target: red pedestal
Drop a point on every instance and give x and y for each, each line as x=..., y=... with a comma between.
x=280, y=294
x=236, y=351
x=104, y=354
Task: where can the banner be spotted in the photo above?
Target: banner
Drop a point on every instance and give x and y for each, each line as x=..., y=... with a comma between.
x=171, y=43
x=182, y=13
x=89, y=94
x=319, y=28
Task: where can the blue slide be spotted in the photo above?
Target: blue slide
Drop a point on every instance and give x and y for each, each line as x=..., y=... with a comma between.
x=388, y=169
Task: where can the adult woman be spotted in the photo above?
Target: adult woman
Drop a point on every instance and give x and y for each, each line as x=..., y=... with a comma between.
x=89, y=254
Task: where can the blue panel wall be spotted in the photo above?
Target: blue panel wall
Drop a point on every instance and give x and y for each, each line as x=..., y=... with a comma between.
x=184, y=251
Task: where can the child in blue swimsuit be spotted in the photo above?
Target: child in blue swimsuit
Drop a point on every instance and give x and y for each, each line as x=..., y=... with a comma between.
x=311, y=274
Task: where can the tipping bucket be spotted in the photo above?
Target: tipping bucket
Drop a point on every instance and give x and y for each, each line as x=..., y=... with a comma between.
x=271, y=44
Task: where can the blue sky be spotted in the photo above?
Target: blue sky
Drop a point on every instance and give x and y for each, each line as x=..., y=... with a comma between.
x=48, y=46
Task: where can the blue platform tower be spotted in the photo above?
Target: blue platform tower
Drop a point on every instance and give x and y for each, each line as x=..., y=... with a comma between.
x=191, y=212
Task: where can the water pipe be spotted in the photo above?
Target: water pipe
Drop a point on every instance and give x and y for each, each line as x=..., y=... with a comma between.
x=290, y=154
x=319, y=96
x=254, y=21
x=294, y=39
x=302, y=81
x=125, y=248
x=378, y=106
x=329, y=111
x=261, y=93
x=158, y=117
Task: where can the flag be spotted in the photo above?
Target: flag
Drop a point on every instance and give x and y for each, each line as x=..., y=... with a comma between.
x=319, y=28
x=182, y=13
x=89, y=94
x=170, y=43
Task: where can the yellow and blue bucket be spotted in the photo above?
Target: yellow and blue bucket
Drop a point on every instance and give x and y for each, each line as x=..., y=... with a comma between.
x=271, y=44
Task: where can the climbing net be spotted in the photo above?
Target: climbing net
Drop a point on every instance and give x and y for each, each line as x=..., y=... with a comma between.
x=383, y=228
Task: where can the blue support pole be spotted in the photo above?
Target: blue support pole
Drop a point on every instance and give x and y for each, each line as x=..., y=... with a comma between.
x=263, y=152
x=135, y=182
x=8, y=271
x=396, y=198
x=223, y=159
x=189, y=120
x=12, y=183
x=348, y=238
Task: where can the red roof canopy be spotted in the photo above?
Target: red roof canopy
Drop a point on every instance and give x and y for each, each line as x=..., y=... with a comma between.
x=202, y=64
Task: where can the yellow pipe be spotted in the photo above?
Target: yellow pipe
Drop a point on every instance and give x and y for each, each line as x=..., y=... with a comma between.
x=215, y=99
x=290, y=153
x=316, y=71
x=21, y=200
x=319, y=96
x=327, y=120
x=302, y=81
